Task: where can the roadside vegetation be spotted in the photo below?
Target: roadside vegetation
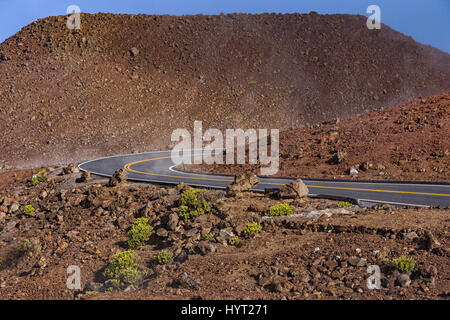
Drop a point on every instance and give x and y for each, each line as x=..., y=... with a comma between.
x=192, y=204
x=344, y=204
x=28, y=209
x=39, y=178
x=124, y=270
x=403, y=264
x=139, y=233
x=164, y=257
x=252, y=229
x=282, y=209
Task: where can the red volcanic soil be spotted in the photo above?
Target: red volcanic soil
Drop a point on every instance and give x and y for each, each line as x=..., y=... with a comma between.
x=407, y=142
x=124, y=82
x=70, y=95
x=309, y=255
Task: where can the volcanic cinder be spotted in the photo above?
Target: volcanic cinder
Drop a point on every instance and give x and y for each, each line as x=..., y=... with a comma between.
x=68, y=95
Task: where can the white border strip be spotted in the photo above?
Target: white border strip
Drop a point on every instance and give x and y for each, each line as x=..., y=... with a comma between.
x=395, y=203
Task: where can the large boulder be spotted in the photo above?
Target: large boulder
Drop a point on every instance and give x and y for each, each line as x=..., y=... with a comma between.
x=71, y=168
x=295, y=190
x=85, y=176
x=134, y=52
x=186, y=281
x=242, y=182
x=172, y=221
x=246, y=181
x=182, y=187
x=119, y=177
x=338, y=157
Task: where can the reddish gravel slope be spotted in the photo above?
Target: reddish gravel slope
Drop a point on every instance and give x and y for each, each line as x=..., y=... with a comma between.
x=71, y=95
x=407, y=142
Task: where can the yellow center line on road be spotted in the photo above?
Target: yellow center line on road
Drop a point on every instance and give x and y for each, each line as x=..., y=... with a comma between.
x=129, y=165
x=388, y=191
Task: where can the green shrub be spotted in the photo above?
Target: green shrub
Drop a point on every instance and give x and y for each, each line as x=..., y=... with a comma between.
x=38, y=178
x=192, y=204
x=28, y=209
x=192, y=250
x=252, y=229
x=13, y=255
x=209, y=236
x=281, y=209
x=403, y=264
x=31, y=246
x=251, y=84
x=234, y=241
x=164, y=256
x=124, y=270
x=139, y=233
x=343, y=204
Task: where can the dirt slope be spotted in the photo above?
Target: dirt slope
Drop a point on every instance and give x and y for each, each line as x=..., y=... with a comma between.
x=70, y=95
x=320, y=252
x=410, y=141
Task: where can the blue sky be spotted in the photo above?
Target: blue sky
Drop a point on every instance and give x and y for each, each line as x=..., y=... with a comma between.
x=427, y=21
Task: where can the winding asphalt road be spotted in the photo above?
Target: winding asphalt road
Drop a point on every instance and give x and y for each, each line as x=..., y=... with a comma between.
x=157, y=167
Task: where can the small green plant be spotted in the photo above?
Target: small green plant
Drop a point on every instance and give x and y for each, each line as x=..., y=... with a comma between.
x=124, y=270
x=38, y=178
x=251, y=84
x=234, y=241
x=28, y=209
x=192, y=250
x=31, y=246
x=281, y=209
x=139, y=233
x=209, y=236
x=16, y=253
x=252, y=229
x=403, y=264
x=192, y=204
x=164, y=256
x=343, y=204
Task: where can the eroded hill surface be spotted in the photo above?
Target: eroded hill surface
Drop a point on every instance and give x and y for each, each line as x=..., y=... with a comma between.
x=123, y=82
x=410, y=141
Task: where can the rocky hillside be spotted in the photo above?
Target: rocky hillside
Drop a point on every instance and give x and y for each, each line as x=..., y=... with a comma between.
x=410, y=141
x=319, y=251
x=124, y=82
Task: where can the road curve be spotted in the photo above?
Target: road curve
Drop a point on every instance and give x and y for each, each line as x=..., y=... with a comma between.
x=157, y=167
